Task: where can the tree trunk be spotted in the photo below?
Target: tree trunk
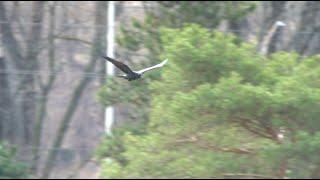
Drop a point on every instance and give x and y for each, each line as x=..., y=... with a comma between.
x=276, y=42
x=239, y=27
x=278, y=8
x=302, y=42
x=6, y=129
x=13, y=49
x=275, y=13
x=28, y=62
x=27, y=86
x=8, y=40
x=45, y=89
x=98, y=47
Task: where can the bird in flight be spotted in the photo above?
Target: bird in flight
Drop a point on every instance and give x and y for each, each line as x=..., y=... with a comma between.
x=130, y=74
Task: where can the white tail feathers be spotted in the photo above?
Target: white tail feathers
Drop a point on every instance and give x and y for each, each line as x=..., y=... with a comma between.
x=280, y=23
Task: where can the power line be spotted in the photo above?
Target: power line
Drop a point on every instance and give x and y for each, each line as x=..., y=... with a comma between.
x=77, y=6
x=103, y=26
x=64, y=25
x=34, y=72
x=30, y=147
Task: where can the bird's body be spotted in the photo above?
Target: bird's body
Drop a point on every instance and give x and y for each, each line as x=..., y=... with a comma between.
x=130, y=74
x=131, y=77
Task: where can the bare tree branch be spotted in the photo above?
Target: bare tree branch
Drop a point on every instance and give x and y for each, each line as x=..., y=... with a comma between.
x=196, y=141
x=243, y=175
x=9, y=41
x=70, y=38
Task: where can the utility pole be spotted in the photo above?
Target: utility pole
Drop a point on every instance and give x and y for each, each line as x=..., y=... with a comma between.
x=109, y=112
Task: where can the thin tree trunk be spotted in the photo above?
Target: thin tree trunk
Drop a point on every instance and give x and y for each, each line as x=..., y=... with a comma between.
x=8, y=40
x=45, y=90
x=276, y=12
x=6, y=130
x=239, y=25
x=13, y=49
x=269, y=40
x=97, y=48
x=308, y=23
x=278, y=9
x=31, y=63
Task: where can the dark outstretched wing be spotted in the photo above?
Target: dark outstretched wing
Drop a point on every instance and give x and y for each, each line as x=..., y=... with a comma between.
x=119, y=65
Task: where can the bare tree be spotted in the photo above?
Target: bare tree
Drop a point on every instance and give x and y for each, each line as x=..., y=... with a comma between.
x=28, y=85
x=27, y=61
x=97, y=48
x=45, y=87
